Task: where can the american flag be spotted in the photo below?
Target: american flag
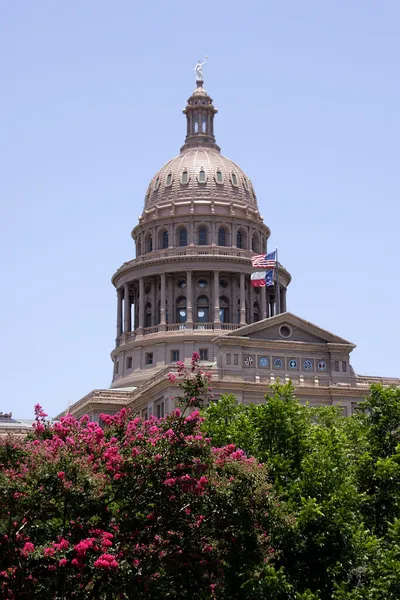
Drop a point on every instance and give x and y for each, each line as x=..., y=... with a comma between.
x=267, y=261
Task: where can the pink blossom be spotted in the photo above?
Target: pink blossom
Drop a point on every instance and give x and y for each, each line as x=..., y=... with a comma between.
x=61, y=475
x=28, y=549
x=172, y=377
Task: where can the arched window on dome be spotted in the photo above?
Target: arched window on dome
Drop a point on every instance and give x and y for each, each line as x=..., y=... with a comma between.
x=222, y=236
x=149, y=243
x=256, y=312
x=202, y=236
x=147, y=315
x=202, y=175
x=182, y=237
x=234, y=179
x=181, y=312
x=204, y=124
x=196, y=125
x=219, y=178
x=255, y=242
x=157, y=183
x=185, y=177
x=224, y=309
x=240, y=239
x=168, y=180
x=138, y=246
x=202, y=309
x=164, y=239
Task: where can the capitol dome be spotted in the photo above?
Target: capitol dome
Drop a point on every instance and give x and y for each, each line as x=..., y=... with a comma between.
x=200, y=171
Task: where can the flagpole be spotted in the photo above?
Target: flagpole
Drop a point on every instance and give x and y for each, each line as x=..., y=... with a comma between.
x=278, y=289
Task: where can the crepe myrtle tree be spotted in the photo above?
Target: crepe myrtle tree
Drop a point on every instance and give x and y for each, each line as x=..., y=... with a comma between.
x=134, y=508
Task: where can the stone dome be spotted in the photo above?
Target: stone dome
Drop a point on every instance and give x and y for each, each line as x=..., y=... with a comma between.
x=200, y=174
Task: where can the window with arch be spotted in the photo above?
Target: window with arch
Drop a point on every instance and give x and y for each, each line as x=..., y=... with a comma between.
x=196, y=125
x=168, y=181
x=246, y=183
x=147, y=315
x=239, y=239
x=149, y=243
x=202, y=309
x=234, y=179
x=157, y=183
x=256, y=312
x=164, y=240
x=185, y=177
x=219, y=177
x=202, y=235
x=181, y=311
x=203, y=124
x=222, y=235
x=255, y=243
x=224, y=309
x=182, y=237
x=202, y=175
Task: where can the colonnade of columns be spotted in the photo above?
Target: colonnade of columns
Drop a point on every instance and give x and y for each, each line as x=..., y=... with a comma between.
x=266, y=302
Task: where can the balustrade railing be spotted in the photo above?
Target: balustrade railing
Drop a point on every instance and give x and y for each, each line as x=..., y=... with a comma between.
x=149, y=330
x=191, y=251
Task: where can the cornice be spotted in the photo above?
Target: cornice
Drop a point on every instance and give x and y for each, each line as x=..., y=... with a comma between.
x=178, y=259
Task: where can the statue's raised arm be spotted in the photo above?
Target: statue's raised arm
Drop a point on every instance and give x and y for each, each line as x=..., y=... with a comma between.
x=199, y=69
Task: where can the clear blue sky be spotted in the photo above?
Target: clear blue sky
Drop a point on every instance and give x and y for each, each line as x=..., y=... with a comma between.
x=308, y=95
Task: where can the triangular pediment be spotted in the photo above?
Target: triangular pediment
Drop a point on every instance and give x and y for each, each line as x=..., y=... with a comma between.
x=287, y=327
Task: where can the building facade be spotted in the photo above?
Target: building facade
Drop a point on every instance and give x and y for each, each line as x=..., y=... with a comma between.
x=188, y=289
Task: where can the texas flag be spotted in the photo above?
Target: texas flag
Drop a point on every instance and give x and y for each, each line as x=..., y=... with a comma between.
x=262, y=278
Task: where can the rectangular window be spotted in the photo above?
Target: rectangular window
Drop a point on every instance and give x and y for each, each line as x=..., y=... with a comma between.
x=150, y=411
x=203, y=353
x=160, y=410
x=149, y=358
x=236, y=359
x=116, y=366
x=344, y=366
x=174, y=355
x=336, y=365
x=228, y=359
x=129, y=362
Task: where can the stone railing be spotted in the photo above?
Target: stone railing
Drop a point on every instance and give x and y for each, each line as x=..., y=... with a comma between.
x=132, y=335
x=202, y=326
x=190, y=251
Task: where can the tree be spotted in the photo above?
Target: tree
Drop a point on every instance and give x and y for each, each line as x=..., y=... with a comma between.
x=137, y=509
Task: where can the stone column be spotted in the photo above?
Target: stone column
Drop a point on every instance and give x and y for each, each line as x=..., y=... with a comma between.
x=283, y=300
x=127, y=309
x=162, y=326
x=217, y=318
x=263, y=293
x=242, y=301
x=189, y=300
x=141, y=305
x=119, y=312
x=153, y=302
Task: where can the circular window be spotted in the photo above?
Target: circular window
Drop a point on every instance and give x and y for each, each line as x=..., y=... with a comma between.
x=181, y=283
x=322, y=365
x=292, y=364
x=285, y=331
x=223, y=283
x=278, y=363
x=201, y=313
x=263, y=362
x=182, y=313
x=202, y=283
x=147, y=289
x=307, y=364
x=248, y=361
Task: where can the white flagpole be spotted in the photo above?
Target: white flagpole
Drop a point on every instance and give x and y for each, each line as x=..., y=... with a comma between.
x=278, y=289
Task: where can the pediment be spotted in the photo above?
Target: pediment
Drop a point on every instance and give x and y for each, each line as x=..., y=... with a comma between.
x=298, y=330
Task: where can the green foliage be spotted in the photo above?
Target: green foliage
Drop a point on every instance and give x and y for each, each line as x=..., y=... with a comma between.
x=339, y=478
